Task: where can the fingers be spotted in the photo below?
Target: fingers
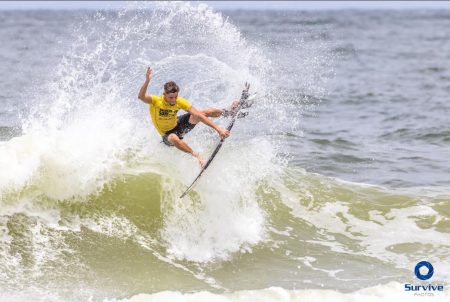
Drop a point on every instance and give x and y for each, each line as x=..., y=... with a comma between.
x=225, y=134
x=148, y=73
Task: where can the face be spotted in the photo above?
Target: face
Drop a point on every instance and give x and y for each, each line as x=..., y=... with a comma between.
x=171, y=98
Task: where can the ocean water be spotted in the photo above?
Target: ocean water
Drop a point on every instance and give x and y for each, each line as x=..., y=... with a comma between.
x=333, y=188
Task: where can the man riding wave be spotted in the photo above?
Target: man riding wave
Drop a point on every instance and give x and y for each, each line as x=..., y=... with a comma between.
x=172, y=128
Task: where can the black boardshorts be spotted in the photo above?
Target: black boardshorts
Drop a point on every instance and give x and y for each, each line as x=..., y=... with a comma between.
x=183, y=126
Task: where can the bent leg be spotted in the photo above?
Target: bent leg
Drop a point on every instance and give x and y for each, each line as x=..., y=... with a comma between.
x=212, y=112
x=209, y=112
x=181, y=145
x=177, y=142
x=215, y=112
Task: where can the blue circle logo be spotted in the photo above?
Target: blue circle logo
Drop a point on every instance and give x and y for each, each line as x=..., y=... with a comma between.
x=428, y=266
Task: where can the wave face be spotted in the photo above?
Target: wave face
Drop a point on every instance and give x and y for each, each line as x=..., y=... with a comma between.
x=89, y=205
x=135, y=236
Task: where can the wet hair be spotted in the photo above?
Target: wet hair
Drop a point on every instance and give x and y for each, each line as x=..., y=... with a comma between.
x=171, y=87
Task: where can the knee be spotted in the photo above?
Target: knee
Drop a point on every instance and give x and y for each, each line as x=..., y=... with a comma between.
x=173, y=138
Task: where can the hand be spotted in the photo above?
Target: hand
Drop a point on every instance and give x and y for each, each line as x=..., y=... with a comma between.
x=148, y=74
x=223, y=133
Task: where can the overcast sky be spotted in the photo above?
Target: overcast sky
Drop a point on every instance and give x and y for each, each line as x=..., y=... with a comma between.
x=303, y=5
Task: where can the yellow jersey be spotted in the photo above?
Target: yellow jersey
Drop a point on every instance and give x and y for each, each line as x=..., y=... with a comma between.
x=164, y=115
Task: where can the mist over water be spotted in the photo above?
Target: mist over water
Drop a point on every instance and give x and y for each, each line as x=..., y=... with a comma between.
x=303, y=195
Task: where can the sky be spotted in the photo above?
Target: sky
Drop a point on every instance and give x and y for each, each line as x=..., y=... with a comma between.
x=222, y=5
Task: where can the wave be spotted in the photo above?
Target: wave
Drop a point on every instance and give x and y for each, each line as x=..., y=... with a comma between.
x=304, y=220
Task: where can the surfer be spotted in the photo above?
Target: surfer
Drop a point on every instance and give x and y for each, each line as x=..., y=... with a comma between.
x=163, y=112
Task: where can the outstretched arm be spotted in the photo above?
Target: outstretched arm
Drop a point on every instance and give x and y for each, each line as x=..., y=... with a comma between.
x=142, y=96
x=223, y=133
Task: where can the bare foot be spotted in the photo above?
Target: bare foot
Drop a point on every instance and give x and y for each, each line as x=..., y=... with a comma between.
x=234, y=105
x=200, y=159
x=231, y=111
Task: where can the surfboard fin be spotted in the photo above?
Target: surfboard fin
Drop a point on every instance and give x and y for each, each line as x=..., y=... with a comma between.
x=244, y=94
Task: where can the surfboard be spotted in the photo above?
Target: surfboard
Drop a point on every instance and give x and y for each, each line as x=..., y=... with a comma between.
x=244, y=103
